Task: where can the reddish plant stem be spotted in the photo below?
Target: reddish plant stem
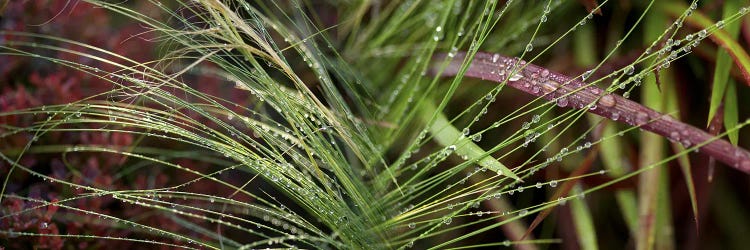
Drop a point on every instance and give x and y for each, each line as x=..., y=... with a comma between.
x=573, y=93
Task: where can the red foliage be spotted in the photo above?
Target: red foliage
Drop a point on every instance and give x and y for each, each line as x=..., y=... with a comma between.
x=27, y=82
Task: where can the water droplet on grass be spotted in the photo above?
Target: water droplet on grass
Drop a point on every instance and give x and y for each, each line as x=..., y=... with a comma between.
x=476, y=137
x=535, y=119
x=702, y=34
x=587, y=74
x=629, y=70
x=515, y=77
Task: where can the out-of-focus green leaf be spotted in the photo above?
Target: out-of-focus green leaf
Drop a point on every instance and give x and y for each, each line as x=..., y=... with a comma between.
x=723, y=60
x=584, y=222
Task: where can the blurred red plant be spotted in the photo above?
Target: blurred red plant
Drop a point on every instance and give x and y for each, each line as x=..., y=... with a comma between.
x=27, y=82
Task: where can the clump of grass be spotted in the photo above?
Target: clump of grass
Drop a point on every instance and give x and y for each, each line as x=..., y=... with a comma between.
x=346, y=134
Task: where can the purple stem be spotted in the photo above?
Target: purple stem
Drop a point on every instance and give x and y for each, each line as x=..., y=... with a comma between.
x=572, y=92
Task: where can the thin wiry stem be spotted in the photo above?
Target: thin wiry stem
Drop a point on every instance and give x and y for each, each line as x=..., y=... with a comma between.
x=572, y=92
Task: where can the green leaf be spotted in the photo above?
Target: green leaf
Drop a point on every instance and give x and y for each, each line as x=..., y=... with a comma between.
x=448, y=135
x=723, y=60
x=731, y=111
x=584, y=222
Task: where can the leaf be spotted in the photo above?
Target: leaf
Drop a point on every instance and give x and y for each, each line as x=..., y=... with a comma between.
x=723, y=61
x=731, y=111
x=583, y=221
x=446, y=135
x=699, y=20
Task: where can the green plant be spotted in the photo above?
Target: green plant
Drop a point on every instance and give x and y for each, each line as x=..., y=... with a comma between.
x=350, y=136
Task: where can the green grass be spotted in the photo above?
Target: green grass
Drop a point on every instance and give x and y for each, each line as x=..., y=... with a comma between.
x=352, y=139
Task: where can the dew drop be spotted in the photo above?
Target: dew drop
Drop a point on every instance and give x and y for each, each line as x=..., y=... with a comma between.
x=550, y=86
x=515, y=77
x=448, y=220
x=466, y=131
x=412, y=225
x=562, y=101
x=745, y=164
x=529, y=47
x=702, y=34
x=495, y=57
x=720, y=24
x=674, y=135
x=535, y=118
x=535, y=89
x=452, y=53
x=685, y=143
x=629, y=70
x=553, y=183
x=476, y=137
x=587, y=74
x=544, y=73
x=523, y=212
x=641, y=118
